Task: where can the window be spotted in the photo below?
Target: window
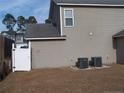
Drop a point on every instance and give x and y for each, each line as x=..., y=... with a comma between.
x=19, y=38
x=68, y=18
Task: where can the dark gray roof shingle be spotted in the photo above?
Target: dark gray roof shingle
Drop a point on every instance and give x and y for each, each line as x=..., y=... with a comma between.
x=111, y=2
x=9, y=32
x=42, y=31
x=119, y=34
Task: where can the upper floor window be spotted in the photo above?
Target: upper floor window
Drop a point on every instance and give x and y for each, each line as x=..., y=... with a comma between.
x=68, y=18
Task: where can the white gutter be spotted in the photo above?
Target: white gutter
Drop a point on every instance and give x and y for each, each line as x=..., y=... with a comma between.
x=47, y=38
x=109, y=5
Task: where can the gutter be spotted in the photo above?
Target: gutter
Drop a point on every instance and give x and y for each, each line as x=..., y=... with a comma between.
x=101, y=5
x=47, y=38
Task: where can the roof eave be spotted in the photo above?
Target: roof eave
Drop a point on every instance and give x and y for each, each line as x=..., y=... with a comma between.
x=118, y=36
x=47, y=38
x=100, y=5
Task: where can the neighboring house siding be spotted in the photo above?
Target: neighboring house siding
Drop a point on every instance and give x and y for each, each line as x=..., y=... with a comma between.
x=102, y=22
x=120, y=50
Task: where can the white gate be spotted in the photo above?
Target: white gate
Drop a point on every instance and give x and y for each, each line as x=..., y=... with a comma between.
x=21, y=58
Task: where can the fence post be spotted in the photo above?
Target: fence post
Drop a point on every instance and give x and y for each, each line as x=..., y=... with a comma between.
x=30, y=54
x=13, y=58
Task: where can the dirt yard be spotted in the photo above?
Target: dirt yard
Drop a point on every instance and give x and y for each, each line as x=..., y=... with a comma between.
x=66, y=80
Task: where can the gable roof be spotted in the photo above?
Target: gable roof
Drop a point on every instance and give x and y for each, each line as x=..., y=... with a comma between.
x=119, y=34
x=42, y=31
x=91, y=2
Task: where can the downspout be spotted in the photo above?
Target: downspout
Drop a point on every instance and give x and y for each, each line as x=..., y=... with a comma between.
x=61, y=28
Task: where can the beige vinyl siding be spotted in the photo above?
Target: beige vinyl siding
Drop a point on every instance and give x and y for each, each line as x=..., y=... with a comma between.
x=50, y=54
x=103, y=23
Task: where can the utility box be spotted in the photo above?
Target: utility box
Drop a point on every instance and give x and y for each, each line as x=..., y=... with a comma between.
x=96, y=61
x=82, y=63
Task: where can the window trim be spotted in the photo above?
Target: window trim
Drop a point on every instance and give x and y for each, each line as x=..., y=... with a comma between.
x=69, y=17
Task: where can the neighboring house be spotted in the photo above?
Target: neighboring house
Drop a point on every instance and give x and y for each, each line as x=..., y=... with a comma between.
x=18, y=37
x=9, y=34
x=79, y=28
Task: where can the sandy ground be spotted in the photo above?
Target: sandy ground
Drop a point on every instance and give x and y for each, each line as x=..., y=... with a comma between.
x=66, y=80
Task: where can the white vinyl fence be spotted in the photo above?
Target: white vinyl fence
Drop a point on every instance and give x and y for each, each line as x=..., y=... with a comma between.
x=21, y=58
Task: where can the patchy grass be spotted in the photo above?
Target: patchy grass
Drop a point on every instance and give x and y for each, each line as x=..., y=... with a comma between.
x=65, y=80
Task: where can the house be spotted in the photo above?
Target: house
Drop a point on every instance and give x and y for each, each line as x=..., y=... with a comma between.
x=79, y=28
x=17, y=37
x=118, y=42
x=9, y=34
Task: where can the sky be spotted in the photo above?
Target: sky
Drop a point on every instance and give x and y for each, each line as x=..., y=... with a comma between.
x=26, y=8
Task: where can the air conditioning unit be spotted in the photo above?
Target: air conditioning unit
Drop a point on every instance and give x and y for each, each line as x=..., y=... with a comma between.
x=82, y=63
x=96, y=61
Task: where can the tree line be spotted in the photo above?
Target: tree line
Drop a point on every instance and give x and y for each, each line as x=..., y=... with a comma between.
x=10, y=21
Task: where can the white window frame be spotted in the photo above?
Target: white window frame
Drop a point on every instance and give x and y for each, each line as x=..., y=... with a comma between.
x=65, y=9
